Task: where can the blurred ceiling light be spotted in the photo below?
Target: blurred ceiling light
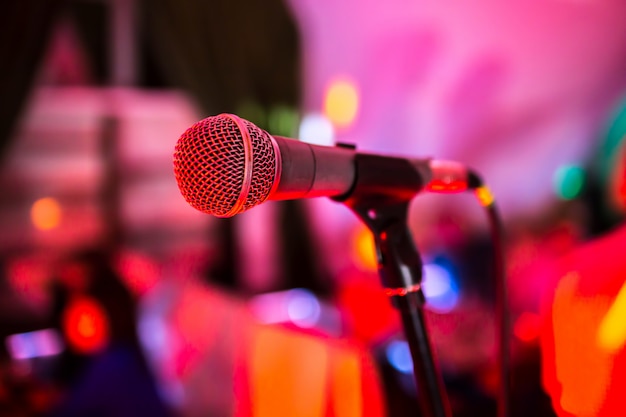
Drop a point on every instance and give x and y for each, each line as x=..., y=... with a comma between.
x=316, y=129
x=45, y=213
x=341, y=102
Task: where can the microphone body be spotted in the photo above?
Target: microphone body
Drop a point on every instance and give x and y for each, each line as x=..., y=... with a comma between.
x=312, y=170
x=225, y=165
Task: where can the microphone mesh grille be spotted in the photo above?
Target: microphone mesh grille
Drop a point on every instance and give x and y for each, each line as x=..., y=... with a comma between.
x=263, y=166
x=210, y=166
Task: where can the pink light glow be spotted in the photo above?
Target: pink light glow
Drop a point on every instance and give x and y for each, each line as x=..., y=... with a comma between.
x=498, y=86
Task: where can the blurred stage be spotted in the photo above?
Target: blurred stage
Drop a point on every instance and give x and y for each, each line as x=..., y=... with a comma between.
x=118, y=298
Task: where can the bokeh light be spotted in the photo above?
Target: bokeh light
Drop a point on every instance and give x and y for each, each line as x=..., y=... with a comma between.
x=341, y=102
x=569, y=181
x=297, y=306
x=46, y=213
x=316, y=129
x=38, y=343
x=85, y=325
x=527, y=327
x=612, y=330
x=303, y=308
x=399, y=356
x=364, y=249
x=283, y=121
x=440, y=288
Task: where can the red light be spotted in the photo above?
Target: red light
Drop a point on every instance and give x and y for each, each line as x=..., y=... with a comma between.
x=621, y=186
x=369, y=313
x=139, y=272
x=527, y=327
x=85, y=325
x=443, y=186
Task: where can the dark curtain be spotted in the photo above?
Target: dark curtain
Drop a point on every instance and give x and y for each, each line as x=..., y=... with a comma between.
x=226, y=52
x=25, y=27
x=223, y=52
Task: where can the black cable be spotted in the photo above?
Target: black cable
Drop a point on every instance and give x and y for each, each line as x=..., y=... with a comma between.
x=502, y=310
x=487, y=200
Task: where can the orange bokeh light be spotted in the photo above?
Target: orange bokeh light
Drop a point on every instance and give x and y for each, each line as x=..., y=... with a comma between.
x=578, y=373
x=341, y=102
x=611, y=334
x=364, y=249
x=46, y=213
x=484, y=196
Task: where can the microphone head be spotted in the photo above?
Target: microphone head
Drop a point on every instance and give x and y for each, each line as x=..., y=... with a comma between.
x=225, y=165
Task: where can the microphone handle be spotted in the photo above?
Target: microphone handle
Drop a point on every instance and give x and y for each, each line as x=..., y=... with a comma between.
x=312, y=170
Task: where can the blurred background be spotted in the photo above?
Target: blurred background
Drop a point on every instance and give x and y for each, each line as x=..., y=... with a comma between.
x=119, y=299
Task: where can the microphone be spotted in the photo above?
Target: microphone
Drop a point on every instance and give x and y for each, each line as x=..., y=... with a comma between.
x=225, y=165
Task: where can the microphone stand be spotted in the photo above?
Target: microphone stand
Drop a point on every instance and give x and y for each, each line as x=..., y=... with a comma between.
x=400, y=270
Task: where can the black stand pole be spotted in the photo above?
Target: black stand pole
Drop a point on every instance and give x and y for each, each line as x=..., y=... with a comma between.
x=381, y=195
x=400, y=269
